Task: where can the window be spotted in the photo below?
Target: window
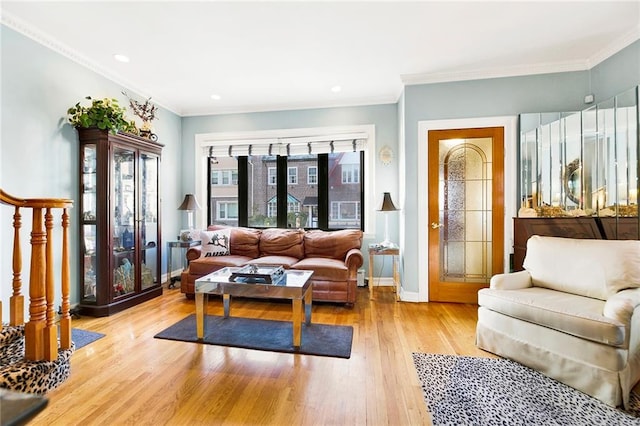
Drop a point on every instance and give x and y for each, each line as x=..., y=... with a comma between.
x=272, y=177
x=350, y=173
x=344, y=214
x=287, y=179
x=224, y=177
x=312, y=175
x=272, y=209
x=227, y=210
x=292, y=175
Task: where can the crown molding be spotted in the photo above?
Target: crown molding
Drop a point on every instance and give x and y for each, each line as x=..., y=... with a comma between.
x=522, y=70
x=481, y=74
x=51, y=43
x=614, y=47
x=253, y=108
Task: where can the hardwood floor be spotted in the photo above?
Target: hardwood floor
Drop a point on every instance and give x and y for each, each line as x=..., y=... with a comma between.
x=128, y=377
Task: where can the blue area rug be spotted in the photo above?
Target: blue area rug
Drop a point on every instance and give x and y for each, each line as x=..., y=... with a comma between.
x=83, y=337
x=264, y=335
x=462, y=390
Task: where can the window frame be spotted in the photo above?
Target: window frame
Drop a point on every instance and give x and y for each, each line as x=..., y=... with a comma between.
x=309, y=175
x=203, y=142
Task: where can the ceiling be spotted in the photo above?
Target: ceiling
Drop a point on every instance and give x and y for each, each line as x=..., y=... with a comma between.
x=262, y=56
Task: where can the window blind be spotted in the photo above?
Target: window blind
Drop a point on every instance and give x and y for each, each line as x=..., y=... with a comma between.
x=324, y=144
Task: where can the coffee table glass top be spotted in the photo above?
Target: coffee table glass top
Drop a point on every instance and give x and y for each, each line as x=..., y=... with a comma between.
x=293, y=283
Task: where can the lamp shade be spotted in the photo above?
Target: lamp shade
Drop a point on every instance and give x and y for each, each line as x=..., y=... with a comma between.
x=387, y=204
x=189, y=203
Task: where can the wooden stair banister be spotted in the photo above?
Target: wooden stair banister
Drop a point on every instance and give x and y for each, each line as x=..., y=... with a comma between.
x=41, y=336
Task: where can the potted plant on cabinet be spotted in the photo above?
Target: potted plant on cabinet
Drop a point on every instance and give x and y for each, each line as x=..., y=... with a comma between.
x=105, y=114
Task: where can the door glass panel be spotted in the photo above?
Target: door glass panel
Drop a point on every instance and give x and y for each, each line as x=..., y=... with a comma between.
x=149, y=216
x=124, y=214
x=465, y=201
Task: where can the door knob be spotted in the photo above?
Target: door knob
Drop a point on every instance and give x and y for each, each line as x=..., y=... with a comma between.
x=435, y=225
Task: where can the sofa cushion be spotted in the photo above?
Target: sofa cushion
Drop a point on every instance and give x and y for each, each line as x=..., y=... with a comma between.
x=243, y=241
x=569, y=313
x=206, y=265
x=282, y=242
x=215, y=243
x=331, y=244
x=286, y=261
x=592, y=268
x=324, y=269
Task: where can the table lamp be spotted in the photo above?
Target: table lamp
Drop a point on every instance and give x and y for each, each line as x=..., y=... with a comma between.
x=387, y=206
x=189, y=204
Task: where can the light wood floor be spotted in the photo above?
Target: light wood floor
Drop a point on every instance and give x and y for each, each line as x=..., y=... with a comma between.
x=128, y=377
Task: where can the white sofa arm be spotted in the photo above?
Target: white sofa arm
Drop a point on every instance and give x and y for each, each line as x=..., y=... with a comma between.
x=621, y=305
x=511, y=281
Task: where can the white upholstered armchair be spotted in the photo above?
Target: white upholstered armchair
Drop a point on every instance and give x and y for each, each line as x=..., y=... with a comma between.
x=572, y=314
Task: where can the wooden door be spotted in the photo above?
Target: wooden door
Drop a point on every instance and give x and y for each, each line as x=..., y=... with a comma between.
x=466, y=211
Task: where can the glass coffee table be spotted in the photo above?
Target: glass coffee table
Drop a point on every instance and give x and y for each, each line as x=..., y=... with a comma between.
x=293, y=284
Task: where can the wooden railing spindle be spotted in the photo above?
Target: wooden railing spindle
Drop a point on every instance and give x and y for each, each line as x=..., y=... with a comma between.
x=41, y=336
x=65, y=318
x=33, y=330
x=16, y=302
x=50, y=329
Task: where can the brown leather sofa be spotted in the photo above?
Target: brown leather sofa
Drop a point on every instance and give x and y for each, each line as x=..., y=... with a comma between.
x=334, y=256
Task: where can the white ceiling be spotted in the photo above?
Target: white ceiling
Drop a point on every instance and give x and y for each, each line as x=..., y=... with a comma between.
x=260, y=56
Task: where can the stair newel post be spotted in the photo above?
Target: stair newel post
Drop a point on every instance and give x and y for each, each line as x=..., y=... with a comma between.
x=33, y=330
x=50, y=330
x=16, y=301
x=65, y=318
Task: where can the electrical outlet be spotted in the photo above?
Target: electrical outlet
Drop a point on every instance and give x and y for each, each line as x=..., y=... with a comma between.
x=588, y=99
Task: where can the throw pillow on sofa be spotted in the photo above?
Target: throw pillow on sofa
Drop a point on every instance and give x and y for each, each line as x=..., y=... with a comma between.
x=215, y=243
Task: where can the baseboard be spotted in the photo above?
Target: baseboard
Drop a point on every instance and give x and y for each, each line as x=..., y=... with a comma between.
x=382, y=282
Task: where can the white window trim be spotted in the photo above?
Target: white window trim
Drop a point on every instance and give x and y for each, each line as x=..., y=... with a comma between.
x=226, y=203
x=315, y=175
x=289, y=175
x=203, y=140
x=269, y=174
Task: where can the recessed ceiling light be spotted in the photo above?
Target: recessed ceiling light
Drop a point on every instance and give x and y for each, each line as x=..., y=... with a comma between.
x=215, y=97
x=121, y=58
x=336, y=89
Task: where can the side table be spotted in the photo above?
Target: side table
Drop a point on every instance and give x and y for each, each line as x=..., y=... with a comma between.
x=183, y=246
x=394, y=252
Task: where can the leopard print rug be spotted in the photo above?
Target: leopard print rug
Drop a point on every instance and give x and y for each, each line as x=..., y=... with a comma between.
x=462, y=390
x=29, y=376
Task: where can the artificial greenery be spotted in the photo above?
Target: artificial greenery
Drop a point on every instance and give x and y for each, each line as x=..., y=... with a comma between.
x=105, y=114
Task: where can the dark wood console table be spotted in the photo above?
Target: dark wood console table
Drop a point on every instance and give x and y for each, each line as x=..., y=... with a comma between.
x=608, y=228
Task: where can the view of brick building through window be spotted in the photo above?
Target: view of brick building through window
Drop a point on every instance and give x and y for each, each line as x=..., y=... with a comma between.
x=302, y=191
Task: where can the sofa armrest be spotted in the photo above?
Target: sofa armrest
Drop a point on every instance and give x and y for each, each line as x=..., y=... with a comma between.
x=354, y=259
x=193, y=253
x=621, y=305
x=511, y=281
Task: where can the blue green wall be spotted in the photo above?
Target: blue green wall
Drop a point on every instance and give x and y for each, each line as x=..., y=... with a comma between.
x=39, y=150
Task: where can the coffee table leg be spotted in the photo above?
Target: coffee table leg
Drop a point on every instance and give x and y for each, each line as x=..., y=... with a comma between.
x=201, y=304
x=226, y=303
x=307, y=306
x=297, y=322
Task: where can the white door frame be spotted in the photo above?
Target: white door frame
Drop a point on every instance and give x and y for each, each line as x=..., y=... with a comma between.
x=510, y=124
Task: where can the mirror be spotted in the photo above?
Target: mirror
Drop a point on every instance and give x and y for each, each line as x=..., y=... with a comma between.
x=581, y=163
x=572, y=182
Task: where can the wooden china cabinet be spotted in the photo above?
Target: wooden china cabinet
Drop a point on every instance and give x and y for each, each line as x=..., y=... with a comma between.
x=119, y=221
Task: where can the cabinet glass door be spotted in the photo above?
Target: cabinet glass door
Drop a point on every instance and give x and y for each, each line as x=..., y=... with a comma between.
x=149, y=219
x=88, y=229
x=124, y=214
